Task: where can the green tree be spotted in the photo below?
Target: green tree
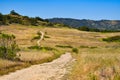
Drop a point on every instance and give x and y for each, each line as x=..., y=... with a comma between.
x=33, y=21
x=14, y=13
x=1, y=18
x=84, y=28
x=5, y=21
x=38, y=18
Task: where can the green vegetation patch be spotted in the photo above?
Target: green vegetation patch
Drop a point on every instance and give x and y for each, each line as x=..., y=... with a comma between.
x=112, y=39
x=41, y=48
x=91, y=47
x=46, y=36
x=64, y=46
x=76, y=50
x=86, y=28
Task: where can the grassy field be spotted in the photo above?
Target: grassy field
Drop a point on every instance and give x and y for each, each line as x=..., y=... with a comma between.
x=95, y=58
x=98, y=60
x=49, y=51
x=96, y=64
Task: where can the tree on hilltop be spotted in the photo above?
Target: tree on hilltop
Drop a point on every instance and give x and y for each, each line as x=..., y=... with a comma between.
x=14, y=13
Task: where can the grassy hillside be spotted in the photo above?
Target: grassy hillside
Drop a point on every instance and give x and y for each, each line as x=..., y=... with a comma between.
x=16, y=18
x=95, y=58
x=98, y=60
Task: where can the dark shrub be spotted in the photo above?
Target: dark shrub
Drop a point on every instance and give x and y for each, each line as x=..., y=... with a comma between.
x=75, y=50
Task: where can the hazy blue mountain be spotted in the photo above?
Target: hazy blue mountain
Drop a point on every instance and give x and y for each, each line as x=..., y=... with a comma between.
x=99, y=24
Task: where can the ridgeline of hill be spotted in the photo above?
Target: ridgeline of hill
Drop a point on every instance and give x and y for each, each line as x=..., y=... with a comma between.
x=84, y=25
x=15, y=18
x=113, y=25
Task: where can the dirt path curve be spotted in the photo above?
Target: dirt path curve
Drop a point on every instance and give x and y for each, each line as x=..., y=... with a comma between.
x=54, y=70
x=41, y=38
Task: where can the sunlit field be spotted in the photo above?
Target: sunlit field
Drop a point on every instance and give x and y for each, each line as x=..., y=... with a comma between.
x=95, y=59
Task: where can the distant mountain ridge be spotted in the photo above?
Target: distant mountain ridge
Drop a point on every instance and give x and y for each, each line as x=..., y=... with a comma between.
x=98, y=24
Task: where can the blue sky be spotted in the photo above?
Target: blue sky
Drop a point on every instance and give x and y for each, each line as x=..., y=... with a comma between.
x=79, y=9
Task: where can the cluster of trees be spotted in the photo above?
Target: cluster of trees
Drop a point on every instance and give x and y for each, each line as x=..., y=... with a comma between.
x=85, y=28
x=14, y=17
x=8, y=47
x=112, y=39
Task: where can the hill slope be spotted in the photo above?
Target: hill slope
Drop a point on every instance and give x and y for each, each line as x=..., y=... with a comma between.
x=15, y=18
x=101, y=24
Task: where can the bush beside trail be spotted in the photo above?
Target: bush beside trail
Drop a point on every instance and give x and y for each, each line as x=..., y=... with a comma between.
x=8, y=47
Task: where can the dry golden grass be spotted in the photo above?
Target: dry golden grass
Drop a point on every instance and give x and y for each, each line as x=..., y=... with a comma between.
x=24, y=35
x=7, y=66
x=6, y=63
x=96, y=64
x=95, y=57
x=34, y=55
x=96, y=67
x=64, y=36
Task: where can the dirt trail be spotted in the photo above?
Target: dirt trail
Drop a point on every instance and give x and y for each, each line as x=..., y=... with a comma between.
x=54, y=70
x=41, y=38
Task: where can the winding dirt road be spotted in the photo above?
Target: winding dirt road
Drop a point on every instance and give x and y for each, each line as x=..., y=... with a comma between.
x=54, y=70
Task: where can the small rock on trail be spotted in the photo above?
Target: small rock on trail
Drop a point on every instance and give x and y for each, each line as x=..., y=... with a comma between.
x=54, y=70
